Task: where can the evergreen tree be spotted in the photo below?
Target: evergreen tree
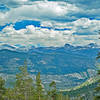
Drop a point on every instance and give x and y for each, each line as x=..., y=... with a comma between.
x=53, y=91
x=98, y=86
x=67, y=97
x=10, y=94
x=39, y=88
x=24, y=89
x=2, y=88
x=98, y=89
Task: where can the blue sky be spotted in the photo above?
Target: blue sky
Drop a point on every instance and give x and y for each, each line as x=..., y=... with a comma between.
x=49, y=22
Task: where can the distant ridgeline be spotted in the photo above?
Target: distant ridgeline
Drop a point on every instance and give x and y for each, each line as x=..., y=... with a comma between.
x=69, y=66
x=86, y=88
x=84, y=91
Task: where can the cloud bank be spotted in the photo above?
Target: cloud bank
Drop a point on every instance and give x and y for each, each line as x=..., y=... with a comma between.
x=61, y=21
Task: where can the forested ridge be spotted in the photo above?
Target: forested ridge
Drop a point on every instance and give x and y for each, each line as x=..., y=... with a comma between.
x=25, y=88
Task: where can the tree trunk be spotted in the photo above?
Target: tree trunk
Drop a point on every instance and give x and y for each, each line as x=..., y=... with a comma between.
x=39, y=98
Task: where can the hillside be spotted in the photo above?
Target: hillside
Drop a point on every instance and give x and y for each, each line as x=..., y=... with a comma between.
x=68, y=65
x=86, y=88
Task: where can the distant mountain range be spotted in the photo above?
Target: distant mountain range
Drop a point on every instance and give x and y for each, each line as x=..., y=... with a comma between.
x=75, y=63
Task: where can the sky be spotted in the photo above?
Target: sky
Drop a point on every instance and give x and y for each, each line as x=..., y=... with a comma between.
x=49, y=22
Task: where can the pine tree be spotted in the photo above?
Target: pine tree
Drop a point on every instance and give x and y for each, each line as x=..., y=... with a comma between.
x=39, y=88
x=2, y=88
x=98, y=89
x=98, y=86
x=10, y=94
x=24, y=89
x=67, y=97
x=53, y=91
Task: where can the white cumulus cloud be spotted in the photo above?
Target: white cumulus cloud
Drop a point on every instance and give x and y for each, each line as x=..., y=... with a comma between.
x=39, y=10
x=85, y=29
x=33, y=35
